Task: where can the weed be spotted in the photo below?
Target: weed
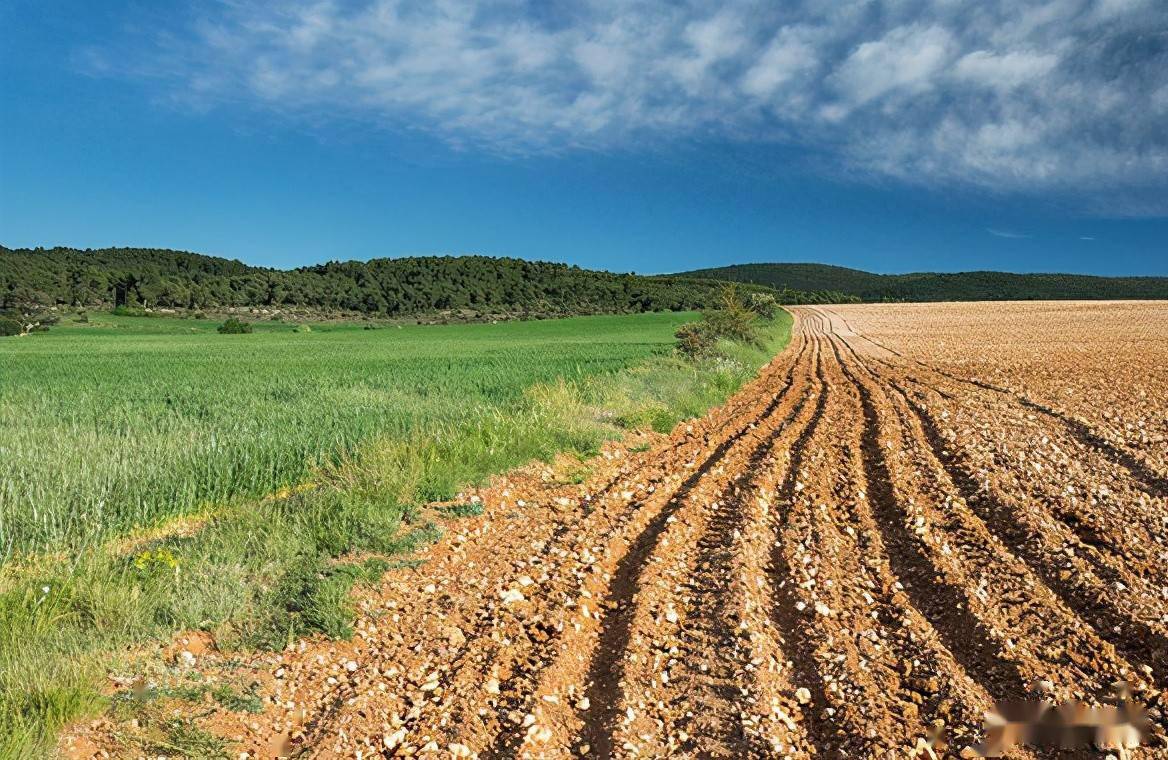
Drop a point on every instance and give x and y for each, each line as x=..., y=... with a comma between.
x=182, y=736
x=463, y=510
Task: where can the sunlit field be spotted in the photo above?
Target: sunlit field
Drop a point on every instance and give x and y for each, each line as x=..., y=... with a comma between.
x=123, y=422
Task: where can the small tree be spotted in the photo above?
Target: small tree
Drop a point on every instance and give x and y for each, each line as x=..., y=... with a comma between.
x=734, y=320
x=234, y=327
x=763, y=304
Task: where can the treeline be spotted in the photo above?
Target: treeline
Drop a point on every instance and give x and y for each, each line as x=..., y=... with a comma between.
x=786, y=295
x=938, y=286
x=154, y=278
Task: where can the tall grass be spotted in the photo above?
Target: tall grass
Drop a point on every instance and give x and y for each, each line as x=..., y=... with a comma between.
x=103, y=429
x=372, y=422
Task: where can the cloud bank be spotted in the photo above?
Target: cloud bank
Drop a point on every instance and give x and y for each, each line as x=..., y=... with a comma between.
x=1009, y=95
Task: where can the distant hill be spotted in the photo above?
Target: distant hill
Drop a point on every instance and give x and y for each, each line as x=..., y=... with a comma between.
x=935, y=286
x=160, y=278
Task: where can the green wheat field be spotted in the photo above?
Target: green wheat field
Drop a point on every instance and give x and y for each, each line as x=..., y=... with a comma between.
x=121, y=423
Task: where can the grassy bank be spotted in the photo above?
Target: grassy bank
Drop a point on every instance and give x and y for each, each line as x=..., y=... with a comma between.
x=157, y=480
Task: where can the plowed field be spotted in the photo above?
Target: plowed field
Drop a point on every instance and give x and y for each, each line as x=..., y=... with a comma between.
x=912, y=513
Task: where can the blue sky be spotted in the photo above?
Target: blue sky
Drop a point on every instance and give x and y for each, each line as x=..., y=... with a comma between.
x=633, y=136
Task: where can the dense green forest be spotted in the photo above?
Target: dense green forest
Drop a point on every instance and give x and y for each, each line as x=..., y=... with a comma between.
x=933, y=286
x=159, y=278
x=156, y=278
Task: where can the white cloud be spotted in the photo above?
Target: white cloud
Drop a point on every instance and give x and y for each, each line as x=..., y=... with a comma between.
x=1033, y=95
x=1004, y=71
x=786, y=57
x=906, y=58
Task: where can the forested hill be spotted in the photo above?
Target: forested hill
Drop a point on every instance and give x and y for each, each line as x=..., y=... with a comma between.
x=407, y=286
x=934, y=286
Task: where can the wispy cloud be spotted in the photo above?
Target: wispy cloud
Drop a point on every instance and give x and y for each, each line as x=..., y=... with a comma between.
x=1007, y=234
x=1085, y=237
x=1032, y=96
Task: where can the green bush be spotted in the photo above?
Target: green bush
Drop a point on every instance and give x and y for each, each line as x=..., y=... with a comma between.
x=734, y=321
x=234, y=327
x=764, y=305
x=694, y=339
x=9, y=327
x=128, y=311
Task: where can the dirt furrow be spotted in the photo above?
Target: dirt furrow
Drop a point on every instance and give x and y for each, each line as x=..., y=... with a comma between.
x=684, y=681
x=592, y=663
x=1094, y=578
x=1088, y=581
x=581, y=551
x=1132, y=462
x=517, y=688
x=905, y=687
x=1060, y=491
x=1089, y=493
x=941, y=600
x=1000, y=600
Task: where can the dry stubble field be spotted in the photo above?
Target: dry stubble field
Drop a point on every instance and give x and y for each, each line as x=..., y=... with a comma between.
x=914, y=511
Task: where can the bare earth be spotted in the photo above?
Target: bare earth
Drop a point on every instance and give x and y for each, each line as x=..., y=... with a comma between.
x=914, y=511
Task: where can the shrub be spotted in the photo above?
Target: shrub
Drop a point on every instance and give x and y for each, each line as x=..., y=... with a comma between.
x=9, y=327
x=763, y=304
x=128, y=311
x=234, y=327
x=694, y=339
x=733, y=321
